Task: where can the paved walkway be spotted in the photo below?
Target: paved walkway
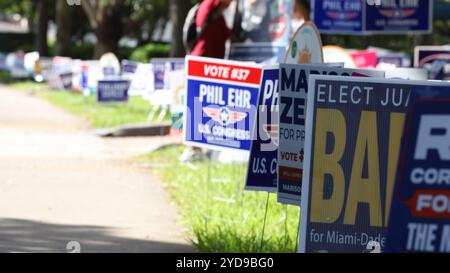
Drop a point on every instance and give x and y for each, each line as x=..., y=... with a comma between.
x=60, y=183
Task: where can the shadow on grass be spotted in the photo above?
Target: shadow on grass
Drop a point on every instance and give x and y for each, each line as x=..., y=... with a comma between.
x=31, y=237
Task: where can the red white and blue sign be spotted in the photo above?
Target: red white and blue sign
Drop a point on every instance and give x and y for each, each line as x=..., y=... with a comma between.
x=112, y=91
x=221, y=103
x=420, y=211
x=262, y=169
x=362, y=17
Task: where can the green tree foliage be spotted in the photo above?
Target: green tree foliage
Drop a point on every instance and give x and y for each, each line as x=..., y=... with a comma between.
x=111, y=19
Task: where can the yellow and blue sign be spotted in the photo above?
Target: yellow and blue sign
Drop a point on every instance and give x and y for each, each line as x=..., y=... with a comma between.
x=353, y=135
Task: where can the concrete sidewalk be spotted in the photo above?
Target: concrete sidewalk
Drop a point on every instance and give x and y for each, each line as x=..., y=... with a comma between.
x=60, y=183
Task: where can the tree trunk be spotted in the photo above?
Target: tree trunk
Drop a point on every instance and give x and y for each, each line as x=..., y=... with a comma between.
x=63, y=21
x=178, y=9
x=41, y=27
x=108, y=33
x=106, y=22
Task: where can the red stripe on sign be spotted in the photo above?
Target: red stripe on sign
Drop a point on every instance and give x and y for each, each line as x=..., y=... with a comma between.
x=291, y=174
x=236, y=73
x=430, y=204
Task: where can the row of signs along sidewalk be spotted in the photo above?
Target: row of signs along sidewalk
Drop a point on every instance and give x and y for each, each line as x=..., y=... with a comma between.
x=329, y=138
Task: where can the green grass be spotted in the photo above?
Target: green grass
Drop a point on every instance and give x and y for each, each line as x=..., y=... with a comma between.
x=221, y=217
x=99, y=115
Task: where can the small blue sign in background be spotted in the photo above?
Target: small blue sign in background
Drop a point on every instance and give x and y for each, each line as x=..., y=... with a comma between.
x=360, y=17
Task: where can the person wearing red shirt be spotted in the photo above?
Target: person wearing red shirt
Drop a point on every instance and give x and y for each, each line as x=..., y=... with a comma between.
x=216, y=33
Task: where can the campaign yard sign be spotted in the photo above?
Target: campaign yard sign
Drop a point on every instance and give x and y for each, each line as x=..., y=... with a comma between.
x=262, y=168
x=221, y=103
x=66, y=80
x=305, y=46
x=420, y=211
x=436, y=59
x=353, y=135
x=293, y=94
x=112, y=91
x=161, y=69
x=361, y=17
x=142, y=81
x=400, y=16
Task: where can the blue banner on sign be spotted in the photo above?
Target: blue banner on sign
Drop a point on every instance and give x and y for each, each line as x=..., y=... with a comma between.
x=109, y=91
x=420, y=211
x=339, y=16
x=262, y=169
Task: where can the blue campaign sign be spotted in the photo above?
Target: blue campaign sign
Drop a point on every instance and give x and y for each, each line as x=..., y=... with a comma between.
x=354, y=132
x=339, y=16
x=162, y=67
x=435, y=59
x=420, y=211
x=262, y=169
x=129, y=67
x=221, y=103
x=370, y=16
x=110, y=91
x=399, y=16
